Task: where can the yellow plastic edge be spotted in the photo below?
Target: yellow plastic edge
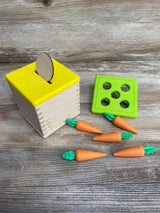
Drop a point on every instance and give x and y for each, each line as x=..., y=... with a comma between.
x=28, y=95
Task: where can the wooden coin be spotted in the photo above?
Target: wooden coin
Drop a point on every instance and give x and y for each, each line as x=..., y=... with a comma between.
x=45, y=66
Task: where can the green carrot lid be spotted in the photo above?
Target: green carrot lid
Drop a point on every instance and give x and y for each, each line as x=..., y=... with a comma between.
x=69, y=155
x=71, y=122
x=149, y=149
x=109, y=116
x=126, y=135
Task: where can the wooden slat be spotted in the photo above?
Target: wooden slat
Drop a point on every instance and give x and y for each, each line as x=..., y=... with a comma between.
x=75, y=30
x=82, y=198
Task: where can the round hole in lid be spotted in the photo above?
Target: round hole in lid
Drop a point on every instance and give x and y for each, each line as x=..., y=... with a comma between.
x=124, y=104
x=115, y=94
x=106, y=86
x=125, y=88
x=105, y=102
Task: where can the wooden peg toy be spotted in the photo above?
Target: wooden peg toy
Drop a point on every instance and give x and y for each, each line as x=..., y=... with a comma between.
x=83, y=126
x=113, y=137
x=121, y=123
x=82, y=155
x=135, y=151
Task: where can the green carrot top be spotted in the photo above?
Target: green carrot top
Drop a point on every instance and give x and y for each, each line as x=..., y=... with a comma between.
x=69, y=155
x=109, y=116
x=149, y=149
x=71, y=122
x=126, y=135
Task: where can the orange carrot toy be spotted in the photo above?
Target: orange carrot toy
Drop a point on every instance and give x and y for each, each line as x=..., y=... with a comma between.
x=113, y=137
x=83, y=126
x=135, y=151
x=120, y=122
x=82, y=155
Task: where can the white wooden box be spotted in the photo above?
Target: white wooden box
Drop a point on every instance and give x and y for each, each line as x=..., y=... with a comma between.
x=46, y=105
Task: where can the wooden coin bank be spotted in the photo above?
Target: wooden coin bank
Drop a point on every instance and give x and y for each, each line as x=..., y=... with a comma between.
x=46, y=105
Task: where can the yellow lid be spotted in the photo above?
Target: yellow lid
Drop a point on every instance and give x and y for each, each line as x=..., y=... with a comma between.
x=35, y=89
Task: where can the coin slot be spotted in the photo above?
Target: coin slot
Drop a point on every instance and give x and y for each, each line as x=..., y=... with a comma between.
x=124, y=104
x=106, y=86
x=125, y=88
x=115, y=94
x=43, y=78
x=105, y=102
